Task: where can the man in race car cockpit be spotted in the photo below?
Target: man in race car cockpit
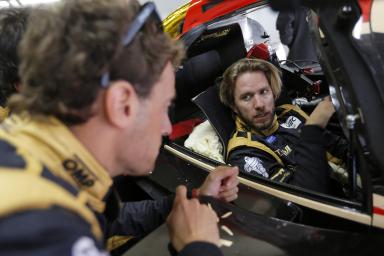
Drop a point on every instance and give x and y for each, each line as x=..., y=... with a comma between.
x=279, y=143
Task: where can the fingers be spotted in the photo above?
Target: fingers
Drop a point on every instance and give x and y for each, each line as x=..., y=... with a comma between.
x=229, y=194
x=191, y=221
x=230, y=183
x=182, y=201
x=181, y=194
x=181, y=191
x=230, y=179
x=228, y=191
x=230, y=198
x=222, y=179
x=225, y=173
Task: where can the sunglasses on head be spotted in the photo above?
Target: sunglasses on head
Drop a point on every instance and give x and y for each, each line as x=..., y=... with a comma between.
x=147, y=11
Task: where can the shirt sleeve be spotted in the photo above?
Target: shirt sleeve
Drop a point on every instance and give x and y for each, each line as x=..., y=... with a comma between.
x=140, y=218
x=312, y=170
x=198, y=248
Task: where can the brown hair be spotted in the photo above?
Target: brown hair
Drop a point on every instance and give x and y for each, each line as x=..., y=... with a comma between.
x=72, y=43
x=227, y=86
x=13, y=22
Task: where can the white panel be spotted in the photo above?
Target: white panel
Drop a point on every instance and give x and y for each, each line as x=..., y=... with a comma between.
x=378, y=219
x=377, y=16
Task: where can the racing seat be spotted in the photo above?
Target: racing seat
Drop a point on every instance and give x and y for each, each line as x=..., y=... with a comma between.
x=219, y=115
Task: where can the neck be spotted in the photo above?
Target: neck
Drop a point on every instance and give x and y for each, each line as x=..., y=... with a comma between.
x=97, y=139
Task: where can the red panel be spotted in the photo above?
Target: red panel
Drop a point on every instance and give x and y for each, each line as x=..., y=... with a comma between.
x=184, y=128
x=195, y=15
x=365, y=6
x=377, y=210
x=259, y=51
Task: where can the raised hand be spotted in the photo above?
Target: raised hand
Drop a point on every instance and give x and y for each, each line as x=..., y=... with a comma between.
x=190, y=221
x=221, y=183
x=322, y=113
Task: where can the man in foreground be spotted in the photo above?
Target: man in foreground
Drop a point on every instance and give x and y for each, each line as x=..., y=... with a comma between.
x=98, y=78
x=282, y=143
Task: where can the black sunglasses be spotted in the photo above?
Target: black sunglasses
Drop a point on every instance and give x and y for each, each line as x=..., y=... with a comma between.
x=147, y=11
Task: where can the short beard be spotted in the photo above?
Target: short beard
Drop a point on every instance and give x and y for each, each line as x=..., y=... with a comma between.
x=259, y=127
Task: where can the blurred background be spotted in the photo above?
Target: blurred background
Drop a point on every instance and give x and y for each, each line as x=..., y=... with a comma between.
x=164, y=6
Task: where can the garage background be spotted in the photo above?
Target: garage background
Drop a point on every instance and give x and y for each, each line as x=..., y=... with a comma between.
x=166, y=6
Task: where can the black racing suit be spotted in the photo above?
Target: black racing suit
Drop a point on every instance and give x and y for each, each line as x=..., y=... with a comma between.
x=288, y=152
x=57, y=199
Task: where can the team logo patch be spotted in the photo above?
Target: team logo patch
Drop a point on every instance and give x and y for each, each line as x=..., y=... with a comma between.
x=284, y=151
x=79, y=171
x=85, y=246
x=270, y=139
x=291, y=123
x=255, y=164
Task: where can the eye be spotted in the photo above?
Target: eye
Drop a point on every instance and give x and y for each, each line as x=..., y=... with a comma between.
x=246, y=97
x=265, y=91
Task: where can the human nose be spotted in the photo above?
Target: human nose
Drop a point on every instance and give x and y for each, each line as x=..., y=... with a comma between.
x=167, y=126
x=258, y=102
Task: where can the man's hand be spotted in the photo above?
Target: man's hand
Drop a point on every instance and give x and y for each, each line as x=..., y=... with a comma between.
x=322, y=113
x=191, y=221
x=221, y=183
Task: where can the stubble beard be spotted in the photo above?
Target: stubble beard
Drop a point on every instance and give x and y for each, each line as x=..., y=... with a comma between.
x=259, y=126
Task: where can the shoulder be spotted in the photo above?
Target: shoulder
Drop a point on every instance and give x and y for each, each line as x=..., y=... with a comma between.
x=33, y=189
x=54, y=231
x=289, y=109
x=240, y=146
x=9, y=157
x=291, y=116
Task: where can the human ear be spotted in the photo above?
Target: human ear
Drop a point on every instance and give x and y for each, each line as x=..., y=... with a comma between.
x=121, y=103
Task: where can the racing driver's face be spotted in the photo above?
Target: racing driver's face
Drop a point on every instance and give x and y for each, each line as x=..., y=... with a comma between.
x=254, y=102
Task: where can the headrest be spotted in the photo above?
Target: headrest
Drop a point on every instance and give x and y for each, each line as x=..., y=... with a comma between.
x=218, y=114
x=197, y=74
